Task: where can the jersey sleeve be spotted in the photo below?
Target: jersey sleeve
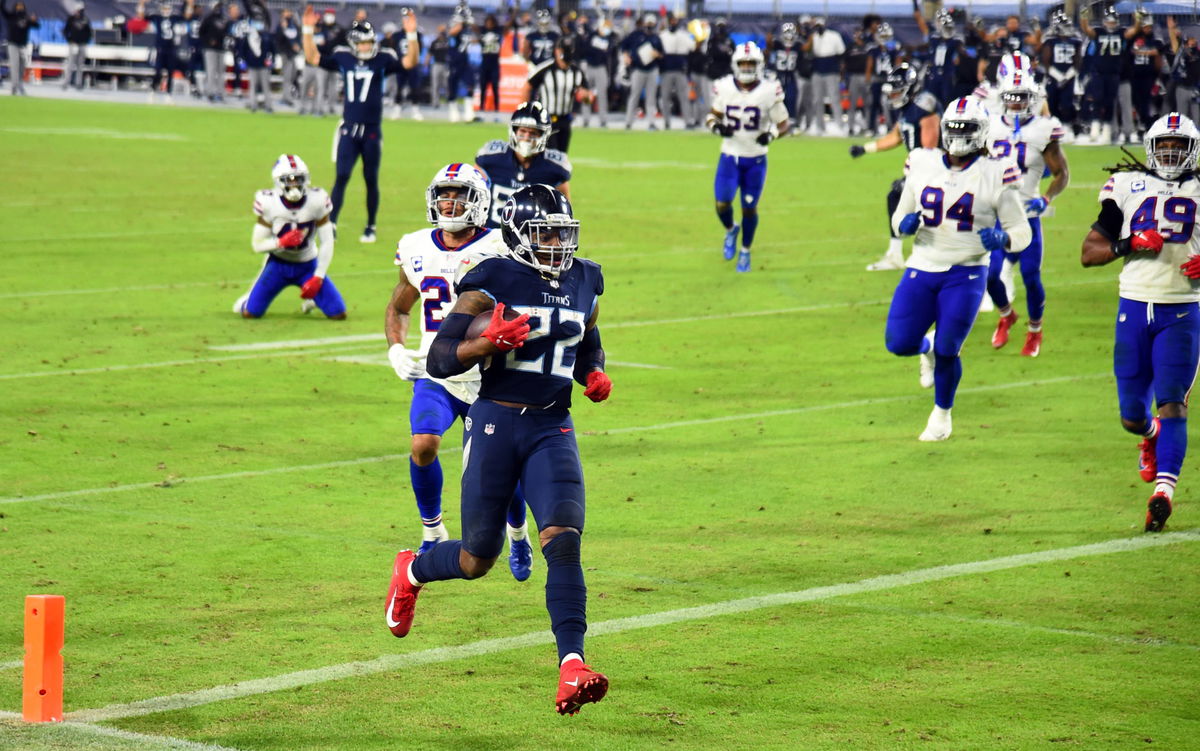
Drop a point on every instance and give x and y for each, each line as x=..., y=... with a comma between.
x=491, y=148
x=1108, y=192
x=1056, y=130
x=391, y=61
x=928, y=102
x=475, y=274
x=326, y=202
x=561, y=163
x=260, y=202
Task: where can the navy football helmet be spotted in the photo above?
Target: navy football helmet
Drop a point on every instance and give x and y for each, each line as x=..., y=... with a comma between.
x=362, y=32
x=540, y=230
x=534, y=116
x=901, y=86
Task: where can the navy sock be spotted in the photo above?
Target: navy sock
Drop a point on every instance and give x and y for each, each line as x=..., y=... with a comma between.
x=427, y=487
x=566, y=594
x=516, y=508
x=726, y=217
x=1172, y=445
x=749, y=224
x=947, y=372
x=440, y=563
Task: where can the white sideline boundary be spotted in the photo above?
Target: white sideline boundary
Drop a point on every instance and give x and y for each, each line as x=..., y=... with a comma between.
x=184, y=480
x=387, y=663
x=11, y=665
x=143, y=740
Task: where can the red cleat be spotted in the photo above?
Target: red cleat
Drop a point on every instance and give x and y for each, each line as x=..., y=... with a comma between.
x=1033, y=344
x=1157, y=511
x=1148, y=458
x=402, y=596
x=578, y=685
x=1000, y=338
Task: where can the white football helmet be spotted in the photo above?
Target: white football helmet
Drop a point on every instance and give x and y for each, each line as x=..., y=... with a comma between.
x=1169, y=161
x=965, y=126
x=1019, y=92
x=748, y=63
x=469, y=207
x=290, y=174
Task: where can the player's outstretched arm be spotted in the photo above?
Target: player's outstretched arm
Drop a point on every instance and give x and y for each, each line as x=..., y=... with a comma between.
x=308, y=21
x=413, y=55
x=1011, y=214
x=405, y=362
x=889, y=140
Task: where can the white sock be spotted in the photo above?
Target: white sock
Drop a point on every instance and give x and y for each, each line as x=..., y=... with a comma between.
x=1035, y=327
x=1006, y=311
x=569, y=657
x=895, y=247
x=437, y=532
x=412, y=579
x=516, y=534
x=1166, y=488
x=941, y=413
x=745, y=250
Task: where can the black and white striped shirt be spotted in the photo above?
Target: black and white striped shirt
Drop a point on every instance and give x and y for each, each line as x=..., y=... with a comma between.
x=555, y=87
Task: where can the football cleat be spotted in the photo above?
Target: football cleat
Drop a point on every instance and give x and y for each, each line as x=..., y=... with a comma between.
x=307, y=306
x=1033, y=344
x=1158, y=509
x=887, y=263
x=1148, y=457
x=578, y=684
x=1000, y=337
x=938, y=427
x=520, y=559
x=731, y=236
x=402, y=596
x=368, y=235
x=239, y=304
x=927, y=361
x=743, y=261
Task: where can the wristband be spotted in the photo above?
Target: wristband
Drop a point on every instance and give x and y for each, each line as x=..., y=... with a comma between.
x=306, y=30
x=1123, y=247
x=870, y=148
x=410, y=36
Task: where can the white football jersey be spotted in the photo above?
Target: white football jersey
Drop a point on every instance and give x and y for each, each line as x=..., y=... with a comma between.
x=433, y=270
x=955, y=203
x=750, y=112
x=1168, y=206
x=989, y=94
x=269, y=206
x=1024, y=141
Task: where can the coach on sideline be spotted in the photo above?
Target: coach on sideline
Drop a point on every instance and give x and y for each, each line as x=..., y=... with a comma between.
x=556, y=83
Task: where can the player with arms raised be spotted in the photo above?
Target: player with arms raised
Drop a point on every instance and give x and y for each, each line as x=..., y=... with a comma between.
x=1033, y=140
x=960, y=205
x=916, y=127
x=365, y=67
x=296, y=234
x=748, y=113
x=524, y=159
x=1148, y=218
x=520, y=428
x=457, y=205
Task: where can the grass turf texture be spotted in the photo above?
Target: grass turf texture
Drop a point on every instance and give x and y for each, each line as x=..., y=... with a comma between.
x=770, y=452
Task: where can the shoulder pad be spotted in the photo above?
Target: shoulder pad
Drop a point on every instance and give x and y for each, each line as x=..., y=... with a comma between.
x=492, y=147
x=477, y=267
x=593, y=270
x=926, y=101
x=558, y=158
x=342, y=48
x=261, y=199
x=389, y=52
x=407, y=245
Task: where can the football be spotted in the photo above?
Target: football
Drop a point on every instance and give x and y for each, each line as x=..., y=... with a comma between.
x=483, y=319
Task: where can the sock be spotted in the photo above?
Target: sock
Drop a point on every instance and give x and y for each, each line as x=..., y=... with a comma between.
x=516, y=534
x=439, y=564
x=1005, y=311
x=726, y=217
x=749, y=225
x=942, y=413
x=568, y=658
x=427, y=487
x=947, y=372
x=895, y=248
x=1171, y=446
x=1035, y=327
x=566, y=593
x=433, y=530
x=1152, y=431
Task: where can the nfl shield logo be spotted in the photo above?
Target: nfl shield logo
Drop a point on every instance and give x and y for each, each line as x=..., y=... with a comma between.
x=467, y=424
x=489, y=428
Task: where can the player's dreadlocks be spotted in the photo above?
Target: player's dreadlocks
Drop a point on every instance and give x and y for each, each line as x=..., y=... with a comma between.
x=1129, y=164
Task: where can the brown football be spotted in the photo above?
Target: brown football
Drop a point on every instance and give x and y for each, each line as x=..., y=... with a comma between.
x=483, y=319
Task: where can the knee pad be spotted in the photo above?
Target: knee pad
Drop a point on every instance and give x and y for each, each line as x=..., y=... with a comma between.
x=566, y=513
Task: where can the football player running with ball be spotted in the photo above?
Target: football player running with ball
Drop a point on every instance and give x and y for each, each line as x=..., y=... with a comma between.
x=748, y=113
x=520, y=428
x=457, y=205
x=296, y=234
x=1148, y=219
x=961, y=205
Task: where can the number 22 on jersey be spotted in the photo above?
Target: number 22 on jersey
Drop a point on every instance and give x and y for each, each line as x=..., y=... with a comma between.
x=562, y=359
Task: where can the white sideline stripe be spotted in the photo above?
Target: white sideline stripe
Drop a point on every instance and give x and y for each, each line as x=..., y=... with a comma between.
x=98, y=133
x=11, y=665
x=143, y=740
x=140, y=366
x=612, y=431
x=376, y=358
x=116, y=235
x=611, y=164
x=389, y=663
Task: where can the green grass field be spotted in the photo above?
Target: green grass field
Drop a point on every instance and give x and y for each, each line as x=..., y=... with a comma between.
x=764, y=532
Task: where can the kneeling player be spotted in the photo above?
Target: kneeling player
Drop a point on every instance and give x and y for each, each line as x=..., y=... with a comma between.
x=960, y=205
x=1148, y=218
x=457, y=202
x=294, y=230
x=748, y=113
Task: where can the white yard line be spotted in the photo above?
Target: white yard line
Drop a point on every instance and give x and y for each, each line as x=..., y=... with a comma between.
x=11, y=665
x=141, y=739
x=96, y=133
x=613, y=164
x=120, y=235
x=389, y=663
x=611, y=431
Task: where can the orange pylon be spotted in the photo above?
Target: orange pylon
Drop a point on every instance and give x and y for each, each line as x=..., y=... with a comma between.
x=45, y=617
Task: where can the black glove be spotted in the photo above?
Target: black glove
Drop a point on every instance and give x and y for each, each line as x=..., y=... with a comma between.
x=857, y=150
x=721, y=129
x=764, y=138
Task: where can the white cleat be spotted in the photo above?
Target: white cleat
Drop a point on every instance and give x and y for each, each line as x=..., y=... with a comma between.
x=887, y=263
x=986, y=305
x=927, y=361
x=240, y=303
x=938, y=427
x=368, y=235
x=416, y=113
x=307, y=306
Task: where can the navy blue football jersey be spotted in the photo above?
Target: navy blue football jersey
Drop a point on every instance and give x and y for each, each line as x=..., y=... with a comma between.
x=921, y=107
x=1107, y=51
x=499, y=163
x=364, y=80
x=542, y=370
x=169, y=31
x=1063, y=50
x=541, y=46
x=942, y=54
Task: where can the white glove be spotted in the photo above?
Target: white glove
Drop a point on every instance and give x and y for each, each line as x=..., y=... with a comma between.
x=406, y=363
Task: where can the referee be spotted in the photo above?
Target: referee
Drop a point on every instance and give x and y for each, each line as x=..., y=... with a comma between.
x=558, y=84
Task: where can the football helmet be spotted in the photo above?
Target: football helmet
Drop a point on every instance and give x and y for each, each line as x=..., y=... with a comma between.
x=1170, y=161
x=534, y=116
x=540, y=230
x=1111, y=19
x=361, y=33
x=1060, y=24
x=965, y=126
x=787, y=33
x=884, y=33
x=901, y=86
x=543, y=20
x=290, y=175
x=471, y=203
x=748, y=63
x=943, y=24
x=1020, y=93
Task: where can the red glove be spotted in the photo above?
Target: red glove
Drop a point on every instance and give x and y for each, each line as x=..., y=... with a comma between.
x=599, y=386
x=1147, y=240
x=311, y=287
x=506, y=335
x=1191, y=267
x=291, y=239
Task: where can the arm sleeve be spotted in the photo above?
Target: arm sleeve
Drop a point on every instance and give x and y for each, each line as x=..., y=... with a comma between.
x=589, y=356
x=442, y=360
x=1011, y=214
x=1110, y=221
x=324, y=249
x=263, y=240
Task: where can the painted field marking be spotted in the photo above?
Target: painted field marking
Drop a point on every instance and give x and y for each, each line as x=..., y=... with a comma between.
x=388, y=663
x=143, y=740
x=11, y=665
x=381, y=358
x=612, y=164
x=175, y=482
x=96, y=133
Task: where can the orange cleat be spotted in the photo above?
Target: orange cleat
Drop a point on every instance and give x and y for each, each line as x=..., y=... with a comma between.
x=1000, y=337
x=1158, y=509
x=1148, y=458
x=578, y=684
x=1033, y=344
x=402, y=596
